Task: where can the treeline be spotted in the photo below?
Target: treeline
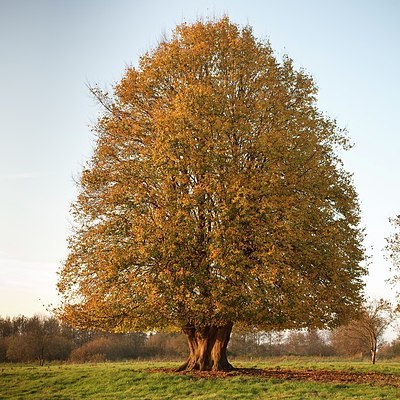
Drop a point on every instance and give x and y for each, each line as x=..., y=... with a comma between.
x=41, y=339
x=307, y=343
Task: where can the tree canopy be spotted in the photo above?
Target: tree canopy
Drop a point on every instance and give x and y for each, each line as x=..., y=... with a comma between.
x=215, y=195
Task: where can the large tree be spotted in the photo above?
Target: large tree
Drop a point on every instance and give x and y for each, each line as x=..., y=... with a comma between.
x=214, y=196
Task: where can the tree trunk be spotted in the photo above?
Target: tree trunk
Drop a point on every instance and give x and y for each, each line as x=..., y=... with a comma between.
x=207, y=348
x=373, y=350
x=373, y=356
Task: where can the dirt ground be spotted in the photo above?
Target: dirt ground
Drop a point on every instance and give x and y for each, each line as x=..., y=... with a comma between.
x=324, y=376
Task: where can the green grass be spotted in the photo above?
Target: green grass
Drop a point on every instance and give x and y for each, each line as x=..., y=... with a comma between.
x=293, y=362
x=132, y=380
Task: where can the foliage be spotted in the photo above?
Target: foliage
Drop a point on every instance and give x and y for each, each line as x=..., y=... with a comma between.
x=214, y=195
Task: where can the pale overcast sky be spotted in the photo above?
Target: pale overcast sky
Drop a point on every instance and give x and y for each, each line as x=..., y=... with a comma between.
x=50, y=50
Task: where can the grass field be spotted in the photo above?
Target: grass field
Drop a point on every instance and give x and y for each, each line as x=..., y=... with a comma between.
x=138, y=380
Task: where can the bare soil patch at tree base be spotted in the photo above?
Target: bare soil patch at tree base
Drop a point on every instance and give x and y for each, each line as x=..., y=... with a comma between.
x=307, y=375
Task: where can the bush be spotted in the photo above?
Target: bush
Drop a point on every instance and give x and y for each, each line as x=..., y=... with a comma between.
x=166, y=345
x=111, y=348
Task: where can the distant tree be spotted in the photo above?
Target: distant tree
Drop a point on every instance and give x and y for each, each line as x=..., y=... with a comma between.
x=110, y=347
x=215, y=196
x=393, y=252
x=272, y=342
x=37, y=338
x=18, y=350
x=245, y=342
x=346, y=343
x=307, y=343
x=93, y=351
x=6, y=327
x=19, y=325
x=391, y=350
x=3, y=349
x=366, y=333
x=313, y=343
x=166, y=345
x=295, y=343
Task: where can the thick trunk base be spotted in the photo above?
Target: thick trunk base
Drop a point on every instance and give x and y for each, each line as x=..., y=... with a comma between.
x=207, y=348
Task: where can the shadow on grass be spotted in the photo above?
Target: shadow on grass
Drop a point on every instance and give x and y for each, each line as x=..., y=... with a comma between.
x=310, y=375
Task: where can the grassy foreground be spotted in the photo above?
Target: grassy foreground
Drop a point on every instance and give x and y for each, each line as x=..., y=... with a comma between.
x=134, y=380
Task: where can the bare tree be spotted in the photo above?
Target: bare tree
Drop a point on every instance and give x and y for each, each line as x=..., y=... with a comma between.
x=365, y=332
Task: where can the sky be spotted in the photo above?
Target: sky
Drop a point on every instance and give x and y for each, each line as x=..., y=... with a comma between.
x=50, y=51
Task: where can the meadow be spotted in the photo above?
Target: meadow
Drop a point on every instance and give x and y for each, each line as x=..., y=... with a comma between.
x=276, y=378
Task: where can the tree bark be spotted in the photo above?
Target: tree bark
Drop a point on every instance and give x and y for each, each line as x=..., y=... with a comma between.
x=373, y=355
x=207, y=348
x=373, y=349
